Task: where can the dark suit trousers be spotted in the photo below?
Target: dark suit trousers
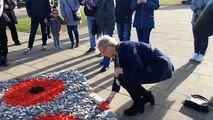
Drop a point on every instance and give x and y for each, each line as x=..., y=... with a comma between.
x=13, y=30
x=3, y=42
x=135, y=90
x=34, y=26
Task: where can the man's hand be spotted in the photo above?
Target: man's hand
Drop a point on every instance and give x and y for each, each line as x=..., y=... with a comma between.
x=6, y=6
x=118, y=71
x=45, y=20
x=109, y=99
x=83, y=2
x=66, y=20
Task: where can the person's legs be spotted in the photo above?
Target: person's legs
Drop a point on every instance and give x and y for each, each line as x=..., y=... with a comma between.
x=3, y=46
x=135, y=90
x=48, y=31
x=120, y=29
x=58, y=42
x=196, y=45
x=127, y=31
x=75, y=30
x=196, y=42
x=146, y=35
x=14, y=33
x=92, y=37
x=44, y=32
x=69, y=29
x=143, y=35
x=55, y=41
x=34, y=27
x=106, y=60
x=204, y=44
x=139, y=34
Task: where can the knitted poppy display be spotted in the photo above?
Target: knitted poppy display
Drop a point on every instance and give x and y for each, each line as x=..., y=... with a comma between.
x=32, y=92
x=62, y=95
x=56, y=117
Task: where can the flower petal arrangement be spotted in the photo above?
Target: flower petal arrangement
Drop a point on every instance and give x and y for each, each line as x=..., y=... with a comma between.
x=32, y=92
x=62, y=95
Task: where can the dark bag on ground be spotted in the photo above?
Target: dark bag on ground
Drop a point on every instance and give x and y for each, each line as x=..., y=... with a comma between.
x=204, y=24
x=76, y=16
x=197, y=102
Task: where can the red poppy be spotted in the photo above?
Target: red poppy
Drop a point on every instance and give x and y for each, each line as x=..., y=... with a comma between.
x=56, y=117
x=103, y=105
x=32, y=92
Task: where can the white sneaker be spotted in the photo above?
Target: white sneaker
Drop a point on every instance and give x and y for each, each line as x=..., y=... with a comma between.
x=194, y=56
x=27, y=51
x=44, y=47
x=199, y=58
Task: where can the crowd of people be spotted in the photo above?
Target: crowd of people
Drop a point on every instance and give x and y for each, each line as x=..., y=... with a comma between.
x=150, y=64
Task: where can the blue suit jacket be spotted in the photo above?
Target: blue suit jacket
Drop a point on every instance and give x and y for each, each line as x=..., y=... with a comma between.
x=142, y=64
x=144, y=15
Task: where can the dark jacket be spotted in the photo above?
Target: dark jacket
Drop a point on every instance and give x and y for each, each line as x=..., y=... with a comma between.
x=123, y=13
x=87, y=11
x=105, y=15
x=55, y=25
x=10, y=12
x=204, y=25
x=143, y=63
x=38, y=8
x=144, y=15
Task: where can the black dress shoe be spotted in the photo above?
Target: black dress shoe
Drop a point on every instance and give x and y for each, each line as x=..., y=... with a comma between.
x=4, y=62
x=149, y=98
x=17, y=43
x=76, y=45
x=103, y=69
x=134, y=109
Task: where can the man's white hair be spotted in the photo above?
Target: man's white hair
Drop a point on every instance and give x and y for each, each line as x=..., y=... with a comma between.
x=106, y=41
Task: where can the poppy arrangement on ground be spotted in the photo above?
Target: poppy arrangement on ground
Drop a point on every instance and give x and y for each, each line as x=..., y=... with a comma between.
x=56, y=117
x=32, y=92
x=62, y=95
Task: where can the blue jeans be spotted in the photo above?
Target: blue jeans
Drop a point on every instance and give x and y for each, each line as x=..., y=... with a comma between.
x=75, y=30
x=56, y=41
x=200, y=43
x=106, y=60
x=124, y=31
x=92, y=37
x=143, y=34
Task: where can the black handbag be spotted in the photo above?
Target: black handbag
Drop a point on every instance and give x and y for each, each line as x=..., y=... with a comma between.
x=76, y=16
x=198, y=102
x=94, y=27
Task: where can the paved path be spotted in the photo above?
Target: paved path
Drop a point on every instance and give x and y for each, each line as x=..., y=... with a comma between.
x=172, y=34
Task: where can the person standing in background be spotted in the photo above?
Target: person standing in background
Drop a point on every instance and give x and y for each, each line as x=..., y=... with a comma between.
x=67, y=9
x=105, y=19
x=4, y=20
x=89, y=10
x=200, y=42
x=9, y=10
x=48, y=27
x=39, y=12
x=144, y=17
x=55, y=25
x=123, y=15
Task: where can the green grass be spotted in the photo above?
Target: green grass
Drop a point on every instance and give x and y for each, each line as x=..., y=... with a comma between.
x=24, y=24
x=170, y=2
